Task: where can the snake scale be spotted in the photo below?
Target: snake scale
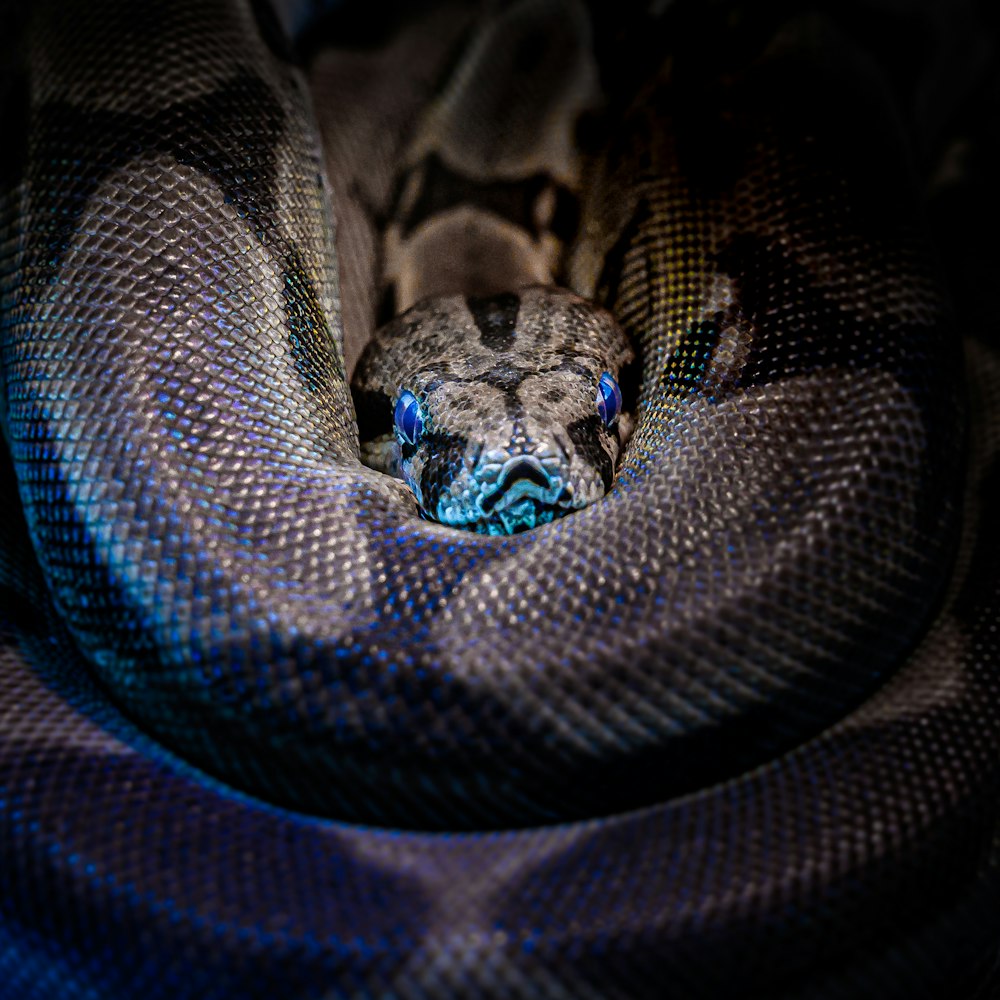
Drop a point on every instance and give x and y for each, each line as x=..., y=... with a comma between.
x=730, y=730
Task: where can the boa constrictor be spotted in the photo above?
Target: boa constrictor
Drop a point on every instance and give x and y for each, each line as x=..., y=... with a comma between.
x=494, y=394
x=730, y=731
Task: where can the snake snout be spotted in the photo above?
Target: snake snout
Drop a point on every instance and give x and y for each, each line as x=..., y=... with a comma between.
x=521, y=476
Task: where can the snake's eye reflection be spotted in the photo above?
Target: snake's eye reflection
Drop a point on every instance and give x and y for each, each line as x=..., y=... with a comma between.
x=408, y=418
x=608, y=400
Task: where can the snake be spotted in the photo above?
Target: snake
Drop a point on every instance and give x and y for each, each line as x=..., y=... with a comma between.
x=728, y=728
x=493, y=393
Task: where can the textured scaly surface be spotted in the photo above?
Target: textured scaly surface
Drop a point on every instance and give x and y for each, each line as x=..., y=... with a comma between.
x=732, y=729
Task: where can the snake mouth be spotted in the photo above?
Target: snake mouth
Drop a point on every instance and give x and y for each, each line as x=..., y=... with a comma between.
x=523, y=495
x=518, y=515
x=523, y=476
x=522, y=515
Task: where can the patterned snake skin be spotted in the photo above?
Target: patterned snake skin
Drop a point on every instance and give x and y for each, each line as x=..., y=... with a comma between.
x=493, y=394
x=732, y=730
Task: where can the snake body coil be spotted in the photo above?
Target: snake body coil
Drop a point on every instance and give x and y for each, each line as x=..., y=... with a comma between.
x=731, y=729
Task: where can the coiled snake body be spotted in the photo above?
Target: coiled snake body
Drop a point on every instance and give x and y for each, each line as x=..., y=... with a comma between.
x=730, y=730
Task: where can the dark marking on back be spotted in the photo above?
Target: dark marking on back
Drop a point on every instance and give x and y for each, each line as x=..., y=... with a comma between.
x=306, y=326
x=614, y=262
x=240, y=158
x=688, y=365
x=586, y=437
x=496, y=318
x=442, y=189
x=811, y=331
x=801, y=333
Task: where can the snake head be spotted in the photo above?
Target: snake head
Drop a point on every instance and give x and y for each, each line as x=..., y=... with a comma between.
x=500, y=413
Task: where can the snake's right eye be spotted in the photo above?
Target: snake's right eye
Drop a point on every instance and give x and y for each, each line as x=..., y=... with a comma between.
x=408, y=418
x=608, y=400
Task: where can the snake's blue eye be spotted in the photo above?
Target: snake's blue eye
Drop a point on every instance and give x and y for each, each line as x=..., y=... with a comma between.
x=408, y=418
x=609, y=400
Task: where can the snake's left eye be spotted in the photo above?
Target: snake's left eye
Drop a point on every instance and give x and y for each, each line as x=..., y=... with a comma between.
x=408, y=418
x=608, y=400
